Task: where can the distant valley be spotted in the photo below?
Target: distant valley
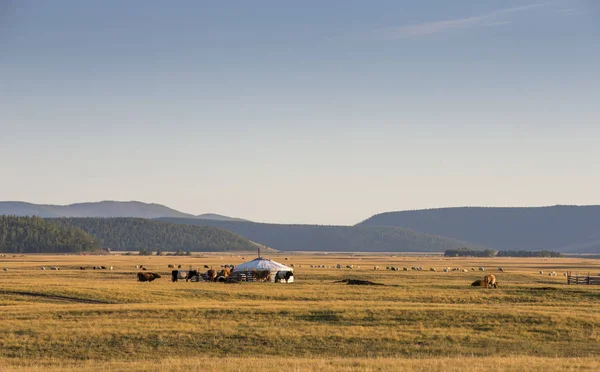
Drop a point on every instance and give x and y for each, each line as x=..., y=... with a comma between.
x=568, y=229
x=333, y=238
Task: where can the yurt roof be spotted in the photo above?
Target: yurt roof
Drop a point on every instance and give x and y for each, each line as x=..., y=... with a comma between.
x=261, y=263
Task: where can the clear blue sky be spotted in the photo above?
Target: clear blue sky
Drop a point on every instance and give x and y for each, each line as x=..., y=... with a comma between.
x=300, y=111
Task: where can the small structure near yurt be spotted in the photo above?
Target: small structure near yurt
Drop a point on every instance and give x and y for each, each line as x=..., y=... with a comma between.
x=262, y=269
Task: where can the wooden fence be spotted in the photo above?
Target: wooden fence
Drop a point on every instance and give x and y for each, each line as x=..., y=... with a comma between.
x=583, y=279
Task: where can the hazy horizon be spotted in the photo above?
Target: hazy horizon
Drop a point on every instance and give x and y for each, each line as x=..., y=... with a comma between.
x=310, y=112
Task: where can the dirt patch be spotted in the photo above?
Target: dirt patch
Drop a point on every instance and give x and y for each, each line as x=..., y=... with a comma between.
x=55, y=297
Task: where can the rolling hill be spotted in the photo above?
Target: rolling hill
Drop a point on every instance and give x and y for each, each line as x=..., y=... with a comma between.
x=138, y=233
x=569, y=229
x=101, y=209
x=333, y=238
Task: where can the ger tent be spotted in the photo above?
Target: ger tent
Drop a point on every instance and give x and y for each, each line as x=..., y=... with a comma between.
x=262, y=264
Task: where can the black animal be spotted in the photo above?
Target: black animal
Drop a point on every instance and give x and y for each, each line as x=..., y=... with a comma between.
x=192, y=274
x=283, y=275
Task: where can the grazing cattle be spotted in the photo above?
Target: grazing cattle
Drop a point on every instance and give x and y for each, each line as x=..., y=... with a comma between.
x=147, y=277
x=54, y=268
x=481, y=269
x=178, y=274
x=500, y=270
x=490, y=280
x=541, y=272
x=224, y=273
x=179, y=266
x=405, y=268
x=339, y=266
x=477, y=283
x=211, y=275
x=136, y=266
x=5, y=268
x=110, y=267
x=170, y=266
x=375, y=267
x=261, y=275
x=286, y=258
x=206, y=267
x=292, y=265
x=465, y=271
x=432, y=269
x=446, y=270
x=283, y=275
x=81, y=268
x=472, y=269
x=103, y=267
x=42, y=268
x=143, y=268
x=193, y=274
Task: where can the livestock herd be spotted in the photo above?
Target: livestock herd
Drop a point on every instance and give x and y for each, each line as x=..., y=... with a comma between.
x=226, y=273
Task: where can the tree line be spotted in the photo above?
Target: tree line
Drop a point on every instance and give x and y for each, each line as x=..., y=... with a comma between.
x=36, y=235
x=138, y=234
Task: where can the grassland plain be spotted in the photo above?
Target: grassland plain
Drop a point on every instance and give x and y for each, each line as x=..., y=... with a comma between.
x=106, y=320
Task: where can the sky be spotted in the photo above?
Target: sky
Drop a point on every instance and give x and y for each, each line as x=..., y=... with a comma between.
x=307, y=111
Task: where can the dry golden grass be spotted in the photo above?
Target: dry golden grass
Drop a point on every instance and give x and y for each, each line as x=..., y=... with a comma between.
x=106, y=320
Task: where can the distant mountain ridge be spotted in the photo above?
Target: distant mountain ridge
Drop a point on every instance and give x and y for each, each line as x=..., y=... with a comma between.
x=333, y=238
x=569, y=229
x=100, y=209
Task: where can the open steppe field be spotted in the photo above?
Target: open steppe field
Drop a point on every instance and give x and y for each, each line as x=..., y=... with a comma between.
x=424, y=321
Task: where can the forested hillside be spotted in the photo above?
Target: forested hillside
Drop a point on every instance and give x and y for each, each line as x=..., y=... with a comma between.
x=333, y=238
x=138, y=233
x=36, y=235
x=558, y=228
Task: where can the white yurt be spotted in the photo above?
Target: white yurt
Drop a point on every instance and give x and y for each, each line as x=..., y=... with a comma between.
x=263, y=264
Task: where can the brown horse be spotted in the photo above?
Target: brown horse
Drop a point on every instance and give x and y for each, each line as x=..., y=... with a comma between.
x=490, y=280
x=211, y=275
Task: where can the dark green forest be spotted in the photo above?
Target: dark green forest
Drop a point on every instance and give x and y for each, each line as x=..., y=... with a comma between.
x=465, y=252
x=36, y=235
x=138, y=233
x=333, y=238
